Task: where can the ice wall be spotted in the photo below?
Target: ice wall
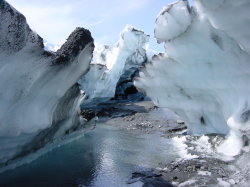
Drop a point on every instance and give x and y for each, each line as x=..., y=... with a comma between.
x=109, y=63
x=204, y=73
x=38, y=91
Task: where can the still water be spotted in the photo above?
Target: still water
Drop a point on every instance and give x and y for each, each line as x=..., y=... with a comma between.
x=103, y=157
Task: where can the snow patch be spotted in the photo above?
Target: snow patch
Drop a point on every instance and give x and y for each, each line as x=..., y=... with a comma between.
x=223, y=183
x=187, y=183
x=204, y=173
x=180, y=144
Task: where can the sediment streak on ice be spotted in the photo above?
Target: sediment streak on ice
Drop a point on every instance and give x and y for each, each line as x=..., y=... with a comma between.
x=38, y=91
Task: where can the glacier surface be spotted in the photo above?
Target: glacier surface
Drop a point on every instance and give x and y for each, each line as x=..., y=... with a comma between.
x=204, y=73
x=110, y=63
x=39, y=95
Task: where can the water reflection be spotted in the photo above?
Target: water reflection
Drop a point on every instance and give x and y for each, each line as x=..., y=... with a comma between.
x=103, y=157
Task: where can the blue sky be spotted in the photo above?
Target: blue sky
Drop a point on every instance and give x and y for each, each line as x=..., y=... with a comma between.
x=55, y=20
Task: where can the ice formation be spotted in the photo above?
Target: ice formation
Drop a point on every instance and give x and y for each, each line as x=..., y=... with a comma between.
x=38, y=90
x=204, y=73
x=114, y=65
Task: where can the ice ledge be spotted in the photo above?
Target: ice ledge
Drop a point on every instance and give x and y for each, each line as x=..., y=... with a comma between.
x=172, y=21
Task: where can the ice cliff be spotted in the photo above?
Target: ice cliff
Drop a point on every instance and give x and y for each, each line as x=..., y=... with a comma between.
x=39, y=96
x=204, y=73
x=114, y=67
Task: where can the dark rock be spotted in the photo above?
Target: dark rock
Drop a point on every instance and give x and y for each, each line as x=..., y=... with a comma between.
x=88, y=114
x=149, y=178
x=175, y=178
x=147, y=174
x=114, y=112
x=155, y=182
x=15, y=32
x=77, y=41
x=202, y=120
x=183, y=170
x=177, y=129
x=110, y=109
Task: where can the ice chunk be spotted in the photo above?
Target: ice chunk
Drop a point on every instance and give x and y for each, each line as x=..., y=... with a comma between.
x=172, y=21
x=204, y=73
x=111, y=62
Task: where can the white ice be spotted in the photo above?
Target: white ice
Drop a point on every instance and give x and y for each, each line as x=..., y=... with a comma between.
x=204, y=73
x=110, y=62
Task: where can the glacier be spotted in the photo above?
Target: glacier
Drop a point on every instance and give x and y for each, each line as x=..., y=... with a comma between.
x=113, y=67
x=39, y=94
x=202, y=76
x=204, y=73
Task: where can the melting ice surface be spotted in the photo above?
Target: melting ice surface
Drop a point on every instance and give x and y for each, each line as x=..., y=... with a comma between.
x=103, y=157
x=110, y=62
x=39, y=97
x=204, y=73
x=203, y=77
